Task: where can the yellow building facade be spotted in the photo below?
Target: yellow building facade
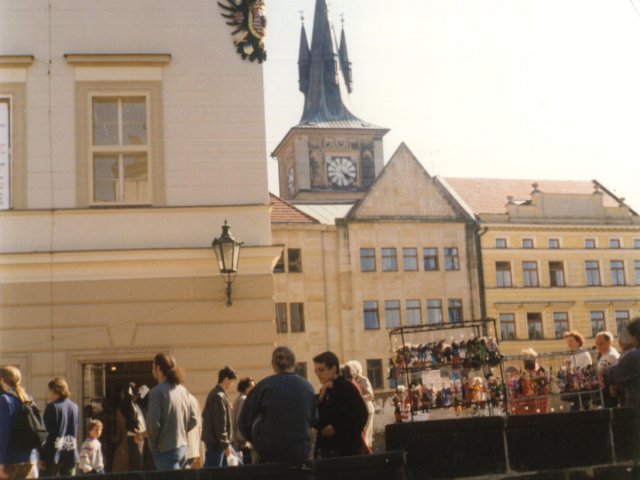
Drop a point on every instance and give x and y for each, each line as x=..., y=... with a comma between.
x=556, y=256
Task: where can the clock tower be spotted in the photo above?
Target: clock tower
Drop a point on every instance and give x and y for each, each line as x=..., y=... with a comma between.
x=330, y=156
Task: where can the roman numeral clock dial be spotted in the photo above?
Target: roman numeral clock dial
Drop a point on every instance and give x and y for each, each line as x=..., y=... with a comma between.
x=341, y=171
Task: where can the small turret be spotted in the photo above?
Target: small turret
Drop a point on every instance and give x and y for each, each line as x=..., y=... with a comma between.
x=304, y=61
x=345, y=64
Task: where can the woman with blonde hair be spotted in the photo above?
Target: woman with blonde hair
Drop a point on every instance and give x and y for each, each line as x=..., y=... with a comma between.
x=15, y=462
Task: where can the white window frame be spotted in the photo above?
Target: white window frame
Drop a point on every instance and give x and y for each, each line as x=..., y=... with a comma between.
x=119, y=149
x=7, y=202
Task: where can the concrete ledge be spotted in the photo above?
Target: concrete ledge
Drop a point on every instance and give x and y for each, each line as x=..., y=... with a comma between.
x=386, y=466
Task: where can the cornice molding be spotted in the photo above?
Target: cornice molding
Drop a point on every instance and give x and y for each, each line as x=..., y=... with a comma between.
x=118, y=59
x=16, y=61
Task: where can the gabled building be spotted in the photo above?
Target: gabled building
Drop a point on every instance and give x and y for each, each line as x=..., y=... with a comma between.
x=405, y=254
x=557, y=256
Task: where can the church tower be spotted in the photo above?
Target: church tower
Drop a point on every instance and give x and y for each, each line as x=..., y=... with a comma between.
x=330, y=155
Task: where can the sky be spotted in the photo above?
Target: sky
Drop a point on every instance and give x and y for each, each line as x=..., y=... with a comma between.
x=540, y=89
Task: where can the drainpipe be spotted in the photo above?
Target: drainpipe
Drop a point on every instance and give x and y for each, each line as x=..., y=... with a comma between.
x=483, y=305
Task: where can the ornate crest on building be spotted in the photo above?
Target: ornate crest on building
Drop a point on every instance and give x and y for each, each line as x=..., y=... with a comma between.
x=247, y=16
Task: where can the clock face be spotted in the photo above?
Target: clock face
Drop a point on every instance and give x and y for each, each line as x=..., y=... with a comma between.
x=341, y=171
x=291, y=182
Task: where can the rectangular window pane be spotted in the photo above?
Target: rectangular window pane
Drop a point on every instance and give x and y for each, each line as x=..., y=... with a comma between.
x=294, y=260
x=617, y=272
x=554, y=243
x=430, y=258
x=392, y=313
x=534, y=326
x=501, y=243
x=527, y=243
x=301, y=369
x=389, y=260
x=134, y=121
x=614, y=243
x=636, y=243
x=105, y=121
x=367, y=260
x=503, y=274
x=597, y=322
x=370, y=310
x=622, y=319
x=451, y=261
x=592, y=273
x=530, y=273
x=434, y=311
x=410, y=259
x=136, y=178
x=374, y=373
x=589, y=243
x=636, y=268
x=560, y=324
x=414, y=312
x=455, y=310
x=507, y=326
x=297, y=317
x=281, y=318
x=556, y=274
x=106, y=178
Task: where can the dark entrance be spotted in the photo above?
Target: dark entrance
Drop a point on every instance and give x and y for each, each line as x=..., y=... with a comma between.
x=103, y=386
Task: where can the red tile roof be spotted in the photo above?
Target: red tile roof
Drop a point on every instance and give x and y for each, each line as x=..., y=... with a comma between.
x=284, y=212
x=489, y=195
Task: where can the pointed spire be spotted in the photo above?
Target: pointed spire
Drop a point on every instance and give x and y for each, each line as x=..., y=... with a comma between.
x=344, y=60
x=304, y=60
x=326, y=99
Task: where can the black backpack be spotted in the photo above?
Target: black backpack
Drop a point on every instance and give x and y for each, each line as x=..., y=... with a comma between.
x=28, y=431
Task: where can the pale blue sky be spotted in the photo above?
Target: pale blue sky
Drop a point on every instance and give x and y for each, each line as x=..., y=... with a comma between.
x=482, y=88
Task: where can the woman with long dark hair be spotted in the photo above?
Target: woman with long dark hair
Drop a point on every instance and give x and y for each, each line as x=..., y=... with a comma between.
x=169, y=416
x=341, y=409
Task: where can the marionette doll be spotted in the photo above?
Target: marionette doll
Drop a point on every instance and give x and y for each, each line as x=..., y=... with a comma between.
x=455, y=353
x=446, y=396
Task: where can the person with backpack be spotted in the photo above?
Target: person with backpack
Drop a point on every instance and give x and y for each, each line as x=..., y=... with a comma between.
x=18, y=459
x=60, y=453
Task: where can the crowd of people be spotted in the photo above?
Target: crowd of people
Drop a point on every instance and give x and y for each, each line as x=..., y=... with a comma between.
x=278, y=419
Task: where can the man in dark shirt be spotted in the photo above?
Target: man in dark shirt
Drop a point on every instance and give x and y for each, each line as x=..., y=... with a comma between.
x=216, y=421
x=279, y=412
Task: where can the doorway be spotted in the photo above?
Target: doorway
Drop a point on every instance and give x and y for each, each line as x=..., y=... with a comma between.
x=103, y=385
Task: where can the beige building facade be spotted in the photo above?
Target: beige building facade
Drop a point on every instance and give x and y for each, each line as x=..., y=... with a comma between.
x=133, y=131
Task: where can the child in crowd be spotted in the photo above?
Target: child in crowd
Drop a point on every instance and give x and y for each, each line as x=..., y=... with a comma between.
x=91, y=452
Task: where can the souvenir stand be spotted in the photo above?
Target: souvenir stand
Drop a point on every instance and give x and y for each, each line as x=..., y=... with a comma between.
x=452, y=367
x=546, y=383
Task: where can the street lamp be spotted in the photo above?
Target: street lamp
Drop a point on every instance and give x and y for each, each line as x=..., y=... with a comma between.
x=227, y=250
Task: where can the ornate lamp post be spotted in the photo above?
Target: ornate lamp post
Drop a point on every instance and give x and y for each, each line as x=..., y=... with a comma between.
x=227, y=249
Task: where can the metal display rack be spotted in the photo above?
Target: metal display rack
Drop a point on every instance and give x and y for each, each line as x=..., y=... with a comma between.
x=421, y=349
x=547, y=385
